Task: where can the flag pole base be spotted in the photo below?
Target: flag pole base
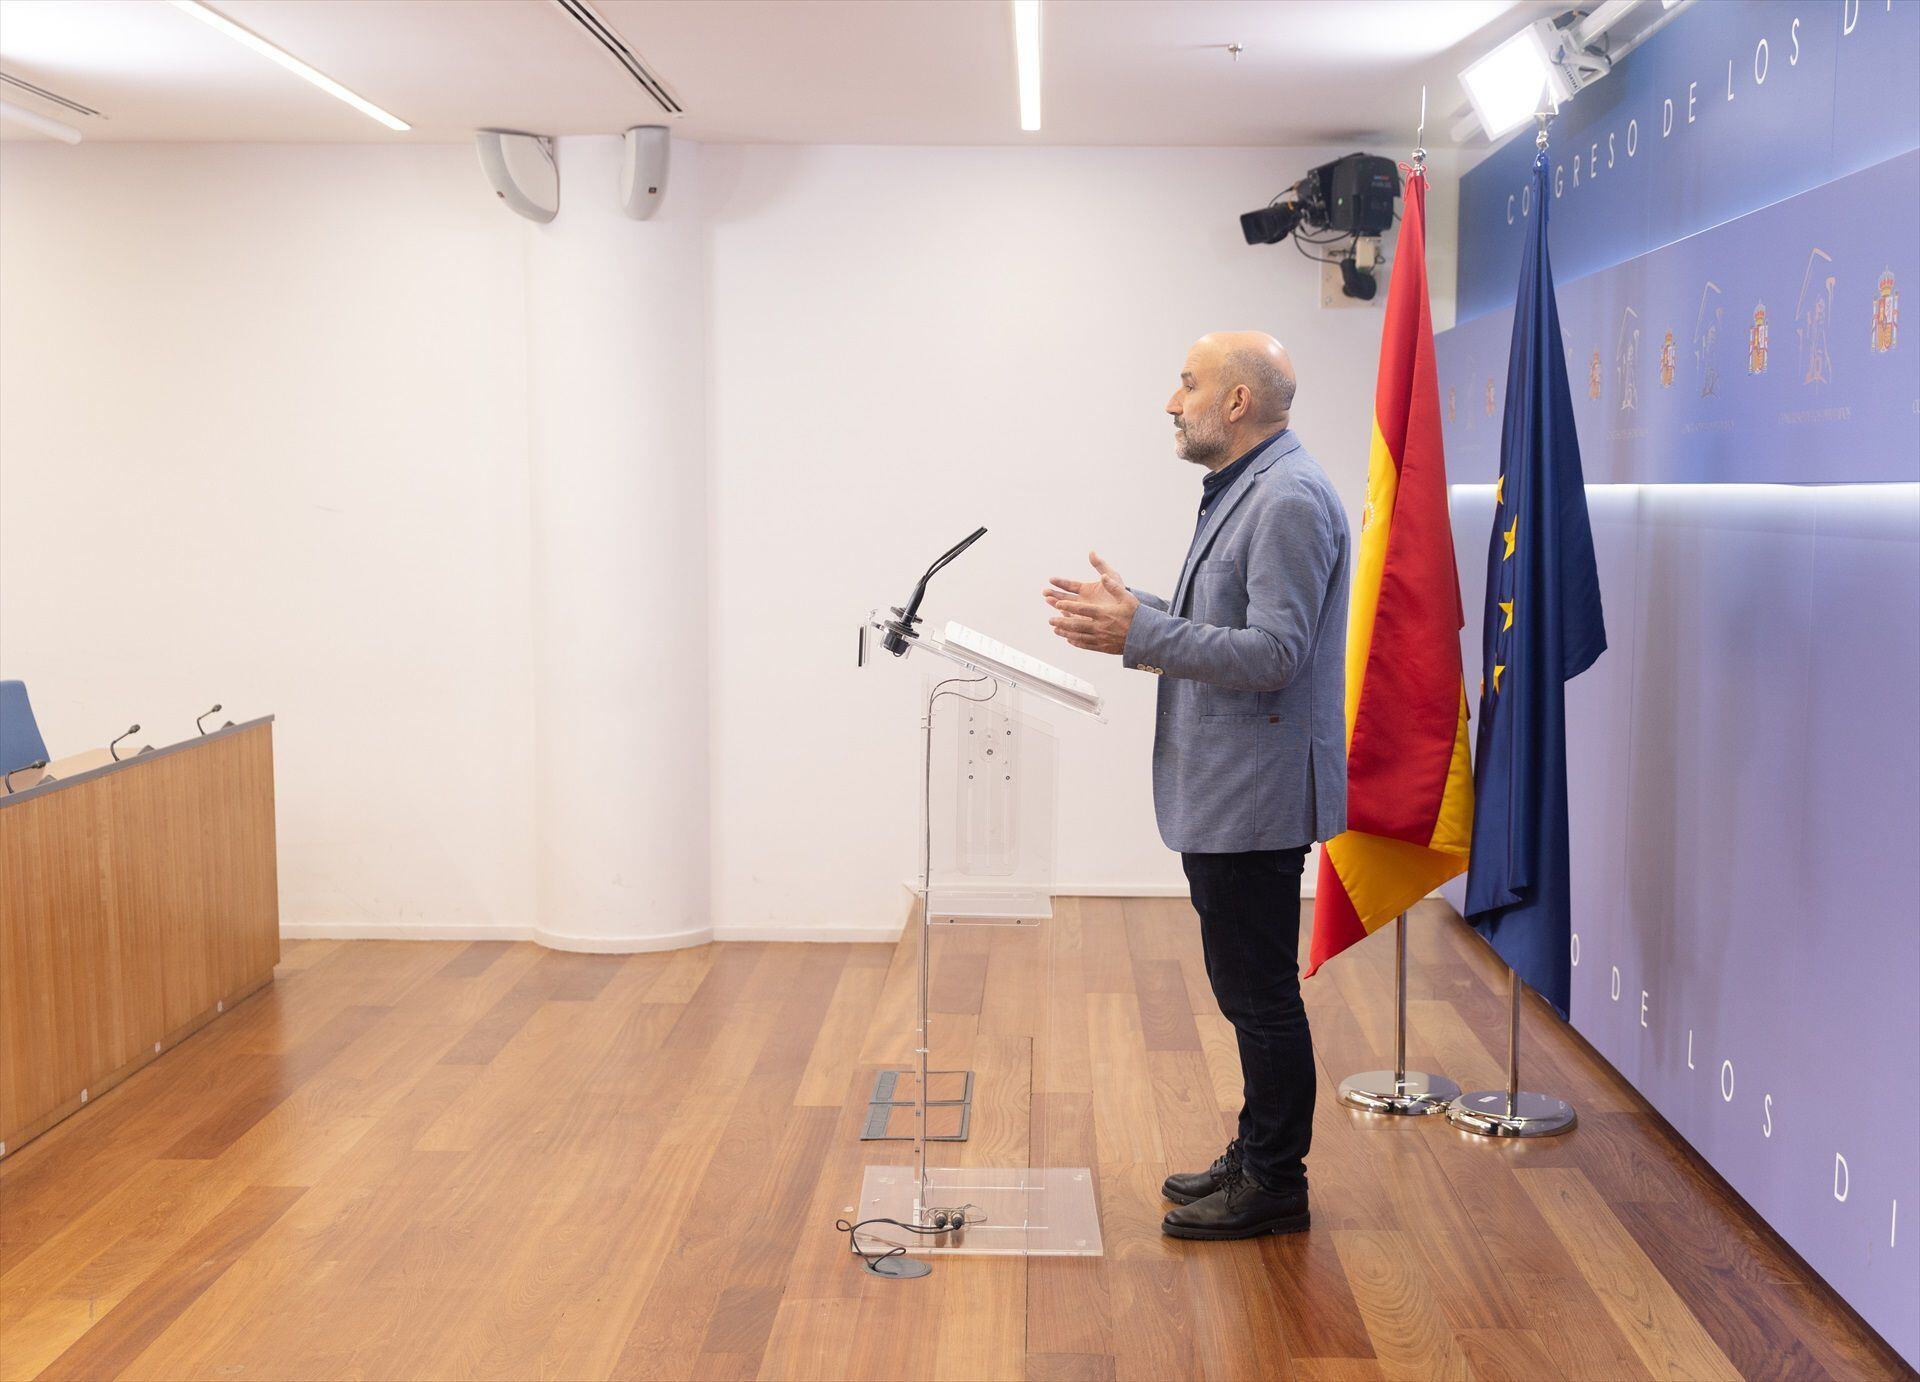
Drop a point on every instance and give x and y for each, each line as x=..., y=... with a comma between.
x=1496, y=1113
x=1411, y=1092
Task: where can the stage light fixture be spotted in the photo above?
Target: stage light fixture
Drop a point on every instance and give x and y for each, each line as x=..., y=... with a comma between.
x=1506, y=86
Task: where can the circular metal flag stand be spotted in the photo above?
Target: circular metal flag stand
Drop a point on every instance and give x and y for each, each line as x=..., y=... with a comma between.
x=1398, y=1090
x=1511, y=1112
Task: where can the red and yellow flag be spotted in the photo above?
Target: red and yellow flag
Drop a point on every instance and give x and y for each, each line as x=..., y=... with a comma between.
x=1409, y=780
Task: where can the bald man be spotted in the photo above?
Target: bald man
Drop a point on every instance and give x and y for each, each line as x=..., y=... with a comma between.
x=1249, y=749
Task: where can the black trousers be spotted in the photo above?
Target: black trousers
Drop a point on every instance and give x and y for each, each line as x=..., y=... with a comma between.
x=1249, y=907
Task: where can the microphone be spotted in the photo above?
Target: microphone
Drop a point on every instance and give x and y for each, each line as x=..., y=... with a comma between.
x=198, y=718
x=114, y=749
x=899, y=629
x=24, y=767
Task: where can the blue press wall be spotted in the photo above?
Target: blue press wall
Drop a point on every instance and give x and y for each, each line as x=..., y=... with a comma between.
x=1745, y=758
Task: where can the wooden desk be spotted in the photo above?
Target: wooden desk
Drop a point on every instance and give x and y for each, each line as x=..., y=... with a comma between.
x=138, y=900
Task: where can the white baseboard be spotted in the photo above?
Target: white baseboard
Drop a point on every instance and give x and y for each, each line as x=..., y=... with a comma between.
x=398, y=931
x=603, y=945
x=831, y=935
x=622, y=945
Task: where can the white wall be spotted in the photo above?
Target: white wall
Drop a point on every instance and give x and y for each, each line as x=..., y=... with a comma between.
x=263, y=441
x=266, y=437
x=908, y=343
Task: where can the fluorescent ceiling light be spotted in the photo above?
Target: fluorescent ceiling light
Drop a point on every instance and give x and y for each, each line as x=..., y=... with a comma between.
x=1506, y=86
x=41, y=124
x=1026, y=47
x=287, y=60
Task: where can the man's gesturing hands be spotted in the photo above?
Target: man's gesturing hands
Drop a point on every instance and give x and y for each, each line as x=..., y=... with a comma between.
x=1093, y=614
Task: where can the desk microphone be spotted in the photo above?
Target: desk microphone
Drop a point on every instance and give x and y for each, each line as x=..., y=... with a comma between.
x=24, y=767
x=113, y=747
x=198, y=718
x=900, y=629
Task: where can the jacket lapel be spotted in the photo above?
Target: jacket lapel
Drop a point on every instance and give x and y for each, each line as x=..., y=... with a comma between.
x=1278, y=447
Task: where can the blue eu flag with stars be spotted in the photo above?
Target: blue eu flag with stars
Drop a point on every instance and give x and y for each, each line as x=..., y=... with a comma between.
x=1542, y=627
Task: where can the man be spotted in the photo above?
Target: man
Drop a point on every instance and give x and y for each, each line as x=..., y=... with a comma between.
x=1249, y=760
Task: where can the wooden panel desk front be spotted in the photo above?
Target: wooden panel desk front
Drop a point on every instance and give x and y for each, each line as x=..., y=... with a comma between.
x=137, y=901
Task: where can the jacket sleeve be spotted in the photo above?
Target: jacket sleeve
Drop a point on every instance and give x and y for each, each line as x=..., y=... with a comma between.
x=1291, y=554
x=1150, y=601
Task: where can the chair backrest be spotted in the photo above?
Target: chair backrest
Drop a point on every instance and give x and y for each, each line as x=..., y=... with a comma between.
x=20, y=741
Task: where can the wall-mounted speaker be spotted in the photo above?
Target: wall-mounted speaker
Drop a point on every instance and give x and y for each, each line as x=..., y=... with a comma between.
x=643, y=170
x=522, y=171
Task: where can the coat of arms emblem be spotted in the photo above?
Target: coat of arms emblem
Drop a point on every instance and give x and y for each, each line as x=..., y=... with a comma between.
x=1886, y=315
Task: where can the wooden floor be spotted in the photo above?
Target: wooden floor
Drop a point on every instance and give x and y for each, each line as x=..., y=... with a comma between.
x=464, y=1160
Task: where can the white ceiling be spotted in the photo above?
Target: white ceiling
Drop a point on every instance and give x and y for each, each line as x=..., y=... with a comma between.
x=1120, y=72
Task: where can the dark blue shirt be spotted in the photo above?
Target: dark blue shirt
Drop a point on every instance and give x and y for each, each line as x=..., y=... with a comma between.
x=1216, y=483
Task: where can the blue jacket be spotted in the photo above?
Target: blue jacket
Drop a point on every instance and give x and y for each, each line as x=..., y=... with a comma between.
x=1249, y=748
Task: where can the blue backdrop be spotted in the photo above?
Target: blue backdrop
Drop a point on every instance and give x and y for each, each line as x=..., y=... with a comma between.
x=1744, y=762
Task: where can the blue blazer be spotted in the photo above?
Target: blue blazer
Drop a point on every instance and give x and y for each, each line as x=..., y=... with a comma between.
x=1249, y=747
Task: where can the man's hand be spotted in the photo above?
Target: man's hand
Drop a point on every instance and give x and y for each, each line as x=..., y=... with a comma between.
x=1095, y=614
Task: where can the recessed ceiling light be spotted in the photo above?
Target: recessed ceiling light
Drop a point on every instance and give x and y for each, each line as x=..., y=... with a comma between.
x=250, y=39
x=1026, y=48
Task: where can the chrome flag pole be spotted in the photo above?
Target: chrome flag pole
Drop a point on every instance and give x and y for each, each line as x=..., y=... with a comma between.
x=1513, y=1111
x=1399, y=1090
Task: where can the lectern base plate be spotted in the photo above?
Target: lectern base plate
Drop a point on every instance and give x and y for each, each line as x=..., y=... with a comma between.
x=1012, y=1211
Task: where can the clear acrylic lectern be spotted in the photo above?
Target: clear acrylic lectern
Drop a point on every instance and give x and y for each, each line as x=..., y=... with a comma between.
x=988, y=772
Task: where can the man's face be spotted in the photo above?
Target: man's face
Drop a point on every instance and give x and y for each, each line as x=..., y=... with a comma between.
x=1198, y=408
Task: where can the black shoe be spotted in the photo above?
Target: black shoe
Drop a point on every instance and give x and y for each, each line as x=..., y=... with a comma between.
x=1184, y=1187
x=1240, y=1208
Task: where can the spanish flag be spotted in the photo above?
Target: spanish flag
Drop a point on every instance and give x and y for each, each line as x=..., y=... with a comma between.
x=1409, y=780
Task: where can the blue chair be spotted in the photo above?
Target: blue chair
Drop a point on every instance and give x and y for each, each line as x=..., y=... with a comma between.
x=20, y=741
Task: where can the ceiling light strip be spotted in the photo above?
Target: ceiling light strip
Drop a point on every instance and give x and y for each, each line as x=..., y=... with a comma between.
x=248, y=38
x=1026, y=48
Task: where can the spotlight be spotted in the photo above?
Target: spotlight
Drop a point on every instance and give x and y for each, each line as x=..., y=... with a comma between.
x=1545, y=64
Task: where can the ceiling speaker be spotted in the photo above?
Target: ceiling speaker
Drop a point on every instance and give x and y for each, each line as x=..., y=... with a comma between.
x=522, y=171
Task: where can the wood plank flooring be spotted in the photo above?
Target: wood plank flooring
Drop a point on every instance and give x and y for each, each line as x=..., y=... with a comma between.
x=444, y=1160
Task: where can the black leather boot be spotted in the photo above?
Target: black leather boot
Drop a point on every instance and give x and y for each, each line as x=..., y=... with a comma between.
x=1184, y=1187
x=1240, y=1208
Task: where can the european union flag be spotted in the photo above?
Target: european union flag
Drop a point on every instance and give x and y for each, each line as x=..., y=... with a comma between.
x=1543, y=626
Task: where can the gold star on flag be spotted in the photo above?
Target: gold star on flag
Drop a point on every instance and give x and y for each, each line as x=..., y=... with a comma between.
x=1498, y=668
x=1500, y=491
x=1509, y=535
x=1506, y=608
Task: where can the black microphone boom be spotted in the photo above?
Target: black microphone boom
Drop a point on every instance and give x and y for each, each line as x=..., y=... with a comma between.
x=898, y=630
x=198, y=718
x=114, y=747
x=24, y=767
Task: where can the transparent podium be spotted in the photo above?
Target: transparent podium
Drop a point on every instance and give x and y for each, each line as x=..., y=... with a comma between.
x=988, y=773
